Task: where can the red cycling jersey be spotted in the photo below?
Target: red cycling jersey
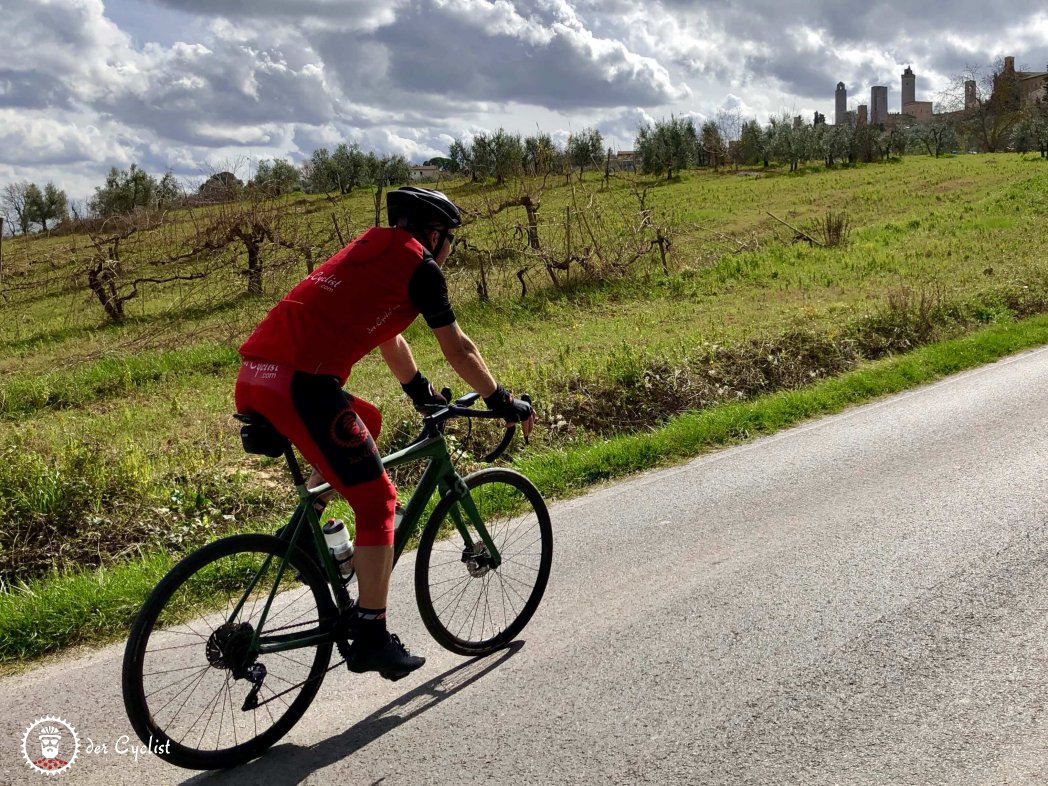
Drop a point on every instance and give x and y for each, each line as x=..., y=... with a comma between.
x=345, y=308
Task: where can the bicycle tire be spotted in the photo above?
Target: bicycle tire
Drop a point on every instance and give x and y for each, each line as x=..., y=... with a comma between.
x=503, y=487
x=136, y=700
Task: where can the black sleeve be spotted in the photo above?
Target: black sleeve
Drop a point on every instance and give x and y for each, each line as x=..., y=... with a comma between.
x=428, y=291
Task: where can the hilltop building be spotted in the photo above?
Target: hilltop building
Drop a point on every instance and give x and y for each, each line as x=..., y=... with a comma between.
x=1023, y=87
x=879, y=105
x=1030, y=84
x=840, y=115
x=420, y=172
x=909, y=87
x=920, y=111
x=624, y=160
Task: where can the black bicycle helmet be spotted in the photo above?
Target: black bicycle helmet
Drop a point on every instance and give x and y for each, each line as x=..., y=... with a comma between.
x=421, y=206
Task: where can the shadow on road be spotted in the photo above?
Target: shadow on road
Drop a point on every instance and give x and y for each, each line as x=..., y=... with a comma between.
x=293, y=763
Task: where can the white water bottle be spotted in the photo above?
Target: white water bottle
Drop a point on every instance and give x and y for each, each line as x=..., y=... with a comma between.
x=337, y=538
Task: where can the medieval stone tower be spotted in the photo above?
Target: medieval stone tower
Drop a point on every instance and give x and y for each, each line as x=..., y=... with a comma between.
x=1029, y=88
x=879, y=105
x=971, y=95
x=909, y=87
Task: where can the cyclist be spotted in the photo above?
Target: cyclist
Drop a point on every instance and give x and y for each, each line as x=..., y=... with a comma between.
x=301, y=354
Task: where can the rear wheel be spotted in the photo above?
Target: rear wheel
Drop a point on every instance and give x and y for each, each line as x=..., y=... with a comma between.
x=191, y=677
x=470, y=606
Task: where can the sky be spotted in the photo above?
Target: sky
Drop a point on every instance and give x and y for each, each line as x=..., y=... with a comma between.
x=199, y=86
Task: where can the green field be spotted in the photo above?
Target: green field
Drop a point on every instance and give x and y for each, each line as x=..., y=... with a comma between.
x=119, y=449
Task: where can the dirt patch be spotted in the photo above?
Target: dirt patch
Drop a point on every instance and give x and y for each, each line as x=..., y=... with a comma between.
x=953, y=185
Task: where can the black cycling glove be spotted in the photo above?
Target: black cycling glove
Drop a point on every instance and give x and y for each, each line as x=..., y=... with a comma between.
x=421, y=393
x=514, y=410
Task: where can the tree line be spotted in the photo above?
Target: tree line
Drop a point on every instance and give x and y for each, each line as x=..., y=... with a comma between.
x=674, y=144
x=503, y=154
x=28, y=207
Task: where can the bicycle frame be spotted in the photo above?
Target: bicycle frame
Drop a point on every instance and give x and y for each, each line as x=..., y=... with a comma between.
x=440, y=475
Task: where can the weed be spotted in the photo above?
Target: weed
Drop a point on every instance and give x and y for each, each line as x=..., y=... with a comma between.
x=835, y=229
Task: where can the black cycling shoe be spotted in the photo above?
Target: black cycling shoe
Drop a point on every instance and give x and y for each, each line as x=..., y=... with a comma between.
x=388, y=656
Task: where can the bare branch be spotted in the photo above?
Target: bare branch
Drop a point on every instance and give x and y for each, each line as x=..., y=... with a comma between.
x=799, y=234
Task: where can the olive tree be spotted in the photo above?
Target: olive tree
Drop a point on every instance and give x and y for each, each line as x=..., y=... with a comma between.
x=385, y=171
x=667, y=146
x=787, y=143
x=936, y=136
x=49, y=204
x=276, y=176
x=714, y=148
x=541, y=155
x=499, y=155
x=128, y=189
x=752, y=144
x=585, y=149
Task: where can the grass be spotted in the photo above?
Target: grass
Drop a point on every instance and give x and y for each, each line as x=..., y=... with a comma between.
x=562, y=473
x=112, y=376
x=117, y=440
x=68, y=608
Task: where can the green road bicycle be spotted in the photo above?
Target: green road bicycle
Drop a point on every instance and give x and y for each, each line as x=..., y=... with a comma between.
x=232, y=645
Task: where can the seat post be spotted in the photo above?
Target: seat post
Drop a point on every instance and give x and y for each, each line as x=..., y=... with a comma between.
x=292, y=464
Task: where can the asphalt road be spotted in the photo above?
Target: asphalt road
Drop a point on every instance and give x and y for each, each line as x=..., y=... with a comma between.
x=860, y=600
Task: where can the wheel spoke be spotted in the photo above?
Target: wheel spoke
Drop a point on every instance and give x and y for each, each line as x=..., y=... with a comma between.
x=200, y=679
x=470, y=614
x=288, y=657
x=464, y=583
x=175, y=647
x=211, y=704
x=453, y=578
x=203, y=669
x=169, y=671
x=510, y=581
x=506, y=589
x=518, y=533
x=515, y=562
x=457, y=598
x=203, y=718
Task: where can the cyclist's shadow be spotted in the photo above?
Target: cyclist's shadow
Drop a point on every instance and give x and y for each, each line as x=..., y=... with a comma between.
x=289, y=763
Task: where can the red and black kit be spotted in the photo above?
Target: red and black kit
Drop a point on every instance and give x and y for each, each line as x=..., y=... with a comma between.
x=299, y=357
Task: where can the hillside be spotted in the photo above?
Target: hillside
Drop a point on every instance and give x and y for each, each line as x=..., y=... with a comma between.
x=117, y=438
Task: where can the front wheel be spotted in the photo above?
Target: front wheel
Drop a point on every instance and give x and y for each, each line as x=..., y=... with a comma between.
x=469, y=605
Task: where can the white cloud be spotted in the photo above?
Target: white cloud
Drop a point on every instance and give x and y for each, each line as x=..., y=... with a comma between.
x=265, y=78
x=33, y=138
